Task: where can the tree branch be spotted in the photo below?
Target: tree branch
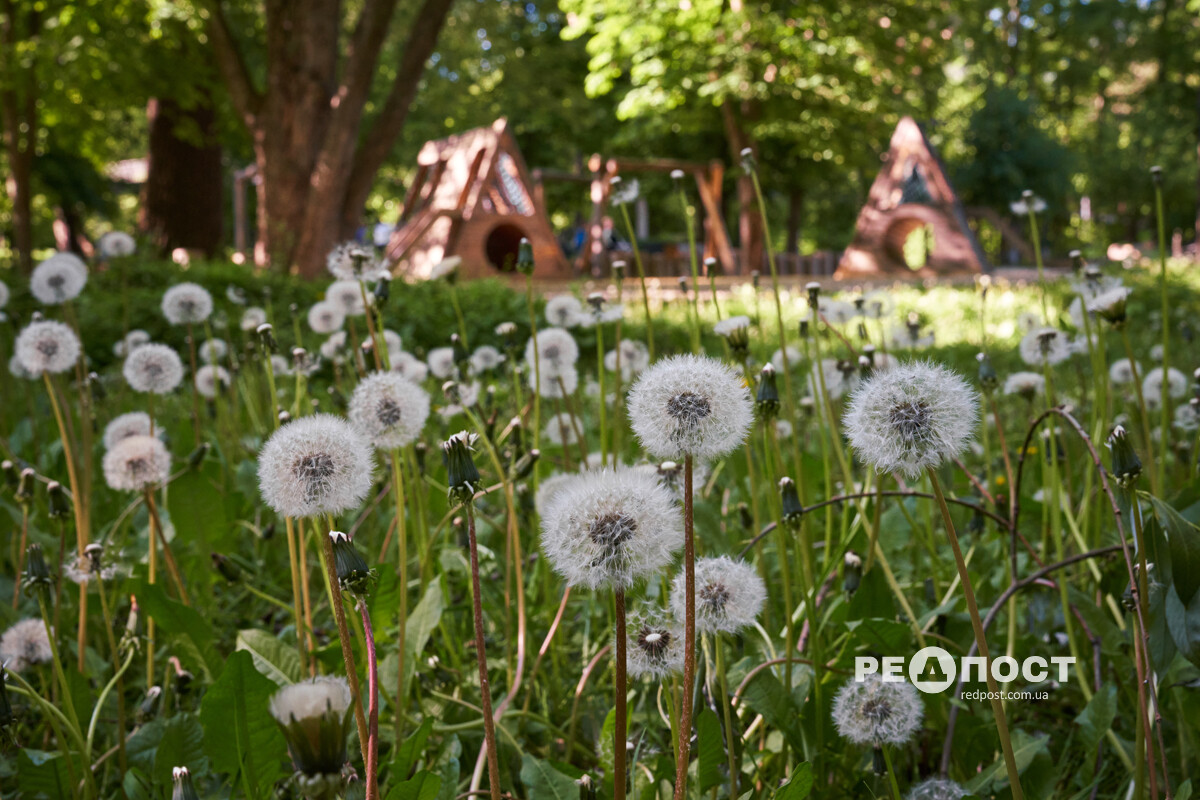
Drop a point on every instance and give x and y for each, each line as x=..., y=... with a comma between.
x=246, y=99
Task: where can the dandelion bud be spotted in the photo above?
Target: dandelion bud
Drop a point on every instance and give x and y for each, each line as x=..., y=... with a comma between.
x=524, y=466
x=354, y=575
x=131, y=621
x=746, y=517
x=315, y=720
x=755, y=277
x=24, y=493
x=747, y=158
x=803, y=329
x=587, y=789
x=56, y=500
x=793, y=510
x=95, y=386
x=266, y=338
x=382, y=291
x=988, y=379
x=1076, y=260
x=462, y=358
x=149, y=705
x=267, y=532
x=7, y=717
x=1110, y=305
x=285, y=416
x=462, y=476
x=618, y=268
x=1027, y=195
x=183, y=785
x=814, y=294
x=37, y=573
x=683, y=284
x=1156, y=175
x=228, y=569
x=94, y=554
x=767, y=400
x=12, y=476
x=712, y=267
x=852, y=572
x=525, y=257
x=1126, y=466
x=420, y=450
x=677, y=174
x=197, y=456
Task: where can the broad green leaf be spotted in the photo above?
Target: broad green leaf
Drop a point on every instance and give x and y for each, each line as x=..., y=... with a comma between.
x=1097, y=717
x=273, y=658
x=1183, y=545
x=545, y=782
x=422, y=786
x=709, y=751
x=240, y=736
x=422, y=622
x=799, y=785
x=1184, y=624
x=605, y=745
x=186, y=627
x=43, y=776
x=163, y=744
x=765, y=695
x=411, y=750
x=885, y=636
x=449, y=768
x=1025, y=749
x=136, y=785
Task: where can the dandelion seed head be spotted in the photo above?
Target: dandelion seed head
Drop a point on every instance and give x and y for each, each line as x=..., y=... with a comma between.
x=564, y=311
x=936, y=789
x=1044, y=346
x=59, y=279
x=911, y=417
x=794, y=358
x=334, y=348
x=389, y=410
x=485, y=359
x=17, y=369
x=610, y=528
x=132, y=341
x=690, y=405
x=211, y=379
x=116, y=244
x=836, y=312
x=556, y=385
x=25, y=644
x=325, y=317
x=560, y=430
x=135, y=423
x=409, y=367
x=557, y=352
x=1121, y=371
x=251, y=318
x=212, y=350
x=878, y=304
x=187, y=304
x=441, y=362
x=135, y=463
x=655, y=645
x=876, y=712
x=729, y=595
x=153, y=368
x=347, y=297
x=350, y=261
x=47, y=346
x=315, y=465
x=1025, y=384
x=1152, y=385
x=635, y=357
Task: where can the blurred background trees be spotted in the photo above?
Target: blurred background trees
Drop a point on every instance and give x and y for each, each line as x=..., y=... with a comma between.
x=123, y=114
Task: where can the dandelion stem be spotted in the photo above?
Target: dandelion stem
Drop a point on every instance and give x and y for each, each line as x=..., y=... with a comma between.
x=372, y=705
x=637, y=260
x=891, y=771
x=172, y=567
x=1143, y=412
x=296, y=604
x=402, y=574
x=1166, y=322
x=489, y=727
x=1010, y=761
x=689, y=634
x=619, y=737
x=726, y=711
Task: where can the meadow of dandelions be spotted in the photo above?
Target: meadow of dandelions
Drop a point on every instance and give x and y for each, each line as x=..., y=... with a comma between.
x=378, y=539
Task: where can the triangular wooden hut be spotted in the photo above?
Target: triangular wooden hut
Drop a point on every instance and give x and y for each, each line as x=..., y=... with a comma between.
x=472, y=197
x=911, y=194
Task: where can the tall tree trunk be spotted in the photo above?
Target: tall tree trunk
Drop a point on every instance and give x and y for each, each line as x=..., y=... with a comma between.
x=750, y=228
x=18, y=111
x=794, y=217
x=182, y=201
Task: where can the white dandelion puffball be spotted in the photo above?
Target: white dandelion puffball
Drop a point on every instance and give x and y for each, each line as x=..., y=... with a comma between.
x=347, y=296
x=936, y=789
x=25, y=644
x=564, y=311
x=1152, y=385
x=312, y=698
x=47, y=346
x=560, y=430
x=280, y=365
x=904, y=337
x=731, y=325
x=58, y=279
x=556, y=385
x=1186, y=418
x=729, y=595
x=783, y=429
x=389, y=410
x=392, y=341
x=153, y=368
x=445, y=268
x=835, y=312
x=4, y=294
x=136, y=462
x=655, y=646
x=874, y=712
x=132, y=341
x=334, y=348
x=485, y=359
x=252, y=318
x=135, y=423
x=1122, y=371
x=408, y=366
x=81, y=571
x=794, y=357
x=549, y=488
x=634, y=358
x=325, y=317
x=314, y=465
x=212, y=350
x=556, y=352
x=441, y=362
x=116, y=244
x=211, y=379
x=1156, y=352
x=1025, y=384
x=351, y=261
x=690, y=405
x=611, y=528
x=1044, y=347
x=911, y=417
x=187, y=304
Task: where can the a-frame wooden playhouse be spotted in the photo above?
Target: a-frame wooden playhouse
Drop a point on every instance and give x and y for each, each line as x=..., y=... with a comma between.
x=911, y=195
x=473, y=197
